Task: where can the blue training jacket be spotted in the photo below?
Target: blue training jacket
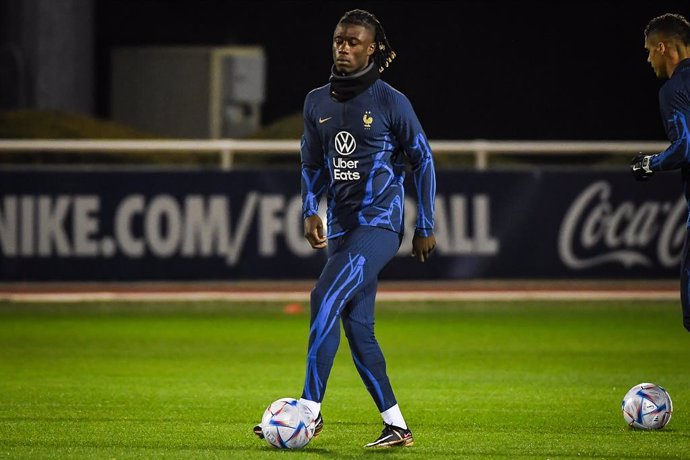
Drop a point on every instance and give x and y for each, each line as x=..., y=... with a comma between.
x=353, y=151
x=674, y=105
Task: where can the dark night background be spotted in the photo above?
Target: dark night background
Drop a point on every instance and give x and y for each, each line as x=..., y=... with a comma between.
x=472, y=69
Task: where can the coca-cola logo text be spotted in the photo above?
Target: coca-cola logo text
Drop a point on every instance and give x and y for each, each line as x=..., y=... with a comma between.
x=596, y=231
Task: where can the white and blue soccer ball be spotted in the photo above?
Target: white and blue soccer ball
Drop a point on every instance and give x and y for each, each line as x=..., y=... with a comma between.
x=288, y=424
x=647, y=406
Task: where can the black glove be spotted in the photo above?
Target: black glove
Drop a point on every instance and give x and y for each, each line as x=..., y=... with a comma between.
x=641, y=167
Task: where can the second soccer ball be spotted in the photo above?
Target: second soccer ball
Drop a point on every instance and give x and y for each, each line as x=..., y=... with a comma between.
x=647, y=406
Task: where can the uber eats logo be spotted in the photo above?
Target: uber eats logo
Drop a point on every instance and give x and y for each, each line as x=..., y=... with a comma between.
x=345, y=169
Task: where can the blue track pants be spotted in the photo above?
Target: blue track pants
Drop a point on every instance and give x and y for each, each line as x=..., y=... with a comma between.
x=346, y=290
x=685, y=281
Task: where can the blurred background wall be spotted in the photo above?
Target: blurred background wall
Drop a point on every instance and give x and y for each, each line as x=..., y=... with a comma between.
x=495, y=69
x=516, y=70
x=47, y=55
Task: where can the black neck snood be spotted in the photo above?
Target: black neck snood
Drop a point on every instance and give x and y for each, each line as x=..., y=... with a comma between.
x=345, y=87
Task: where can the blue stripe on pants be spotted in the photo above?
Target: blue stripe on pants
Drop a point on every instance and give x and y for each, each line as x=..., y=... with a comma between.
x=685, y=281
x=347, y=289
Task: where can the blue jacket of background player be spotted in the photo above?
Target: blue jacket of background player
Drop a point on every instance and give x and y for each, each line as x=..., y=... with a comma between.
x=674, y=105
x=354, y=151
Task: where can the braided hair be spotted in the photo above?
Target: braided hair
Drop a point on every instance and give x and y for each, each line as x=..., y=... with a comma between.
x=383, y=53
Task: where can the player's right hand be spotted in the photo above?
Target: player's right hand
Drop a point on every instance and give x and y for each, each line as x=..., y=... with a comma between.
x=313, y=232
x=640, y=166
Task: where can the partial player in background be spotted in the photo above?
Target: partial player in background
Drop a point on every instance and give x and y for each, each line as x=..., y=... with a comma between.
x=667, y=41
x=358, y=134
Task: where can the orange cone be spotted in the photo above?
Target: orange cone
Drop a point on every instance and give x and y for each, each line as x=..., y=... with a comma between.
x=293, y=309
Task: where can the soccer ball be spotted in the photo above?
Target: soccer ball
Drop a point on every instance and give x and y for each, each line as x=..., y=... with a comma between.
x=288, y=424
x=647, y=406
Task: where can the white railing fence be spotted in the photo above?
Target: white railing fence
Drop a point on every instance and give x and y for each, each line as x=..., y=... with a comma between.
x=227, y=148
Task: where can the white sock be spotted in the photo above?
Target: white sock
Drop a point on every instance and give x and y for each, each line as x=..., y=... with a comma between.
x=394, y=417
x=314, y=407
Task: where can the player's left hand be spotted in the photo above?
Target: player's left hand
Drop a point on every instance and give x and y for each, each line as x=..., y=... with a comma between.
x=640, y=166
x=422, y=246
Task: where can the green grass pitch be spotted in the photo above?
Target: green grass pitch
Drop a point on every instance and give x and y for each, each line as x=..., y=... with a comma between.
x=539, y=379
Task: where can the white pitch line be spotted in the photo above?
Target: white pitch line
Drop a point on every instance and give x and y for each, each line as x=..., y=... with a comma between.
x=300, y=296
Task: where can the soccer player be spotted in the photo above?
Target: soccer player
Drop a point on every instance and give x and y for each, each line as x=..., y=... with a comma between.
x=359, y=132
x=667, y=41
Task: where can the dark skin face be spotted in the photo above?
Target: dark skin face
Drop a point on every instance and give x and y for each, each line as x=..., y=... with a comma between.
x=353, y=46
